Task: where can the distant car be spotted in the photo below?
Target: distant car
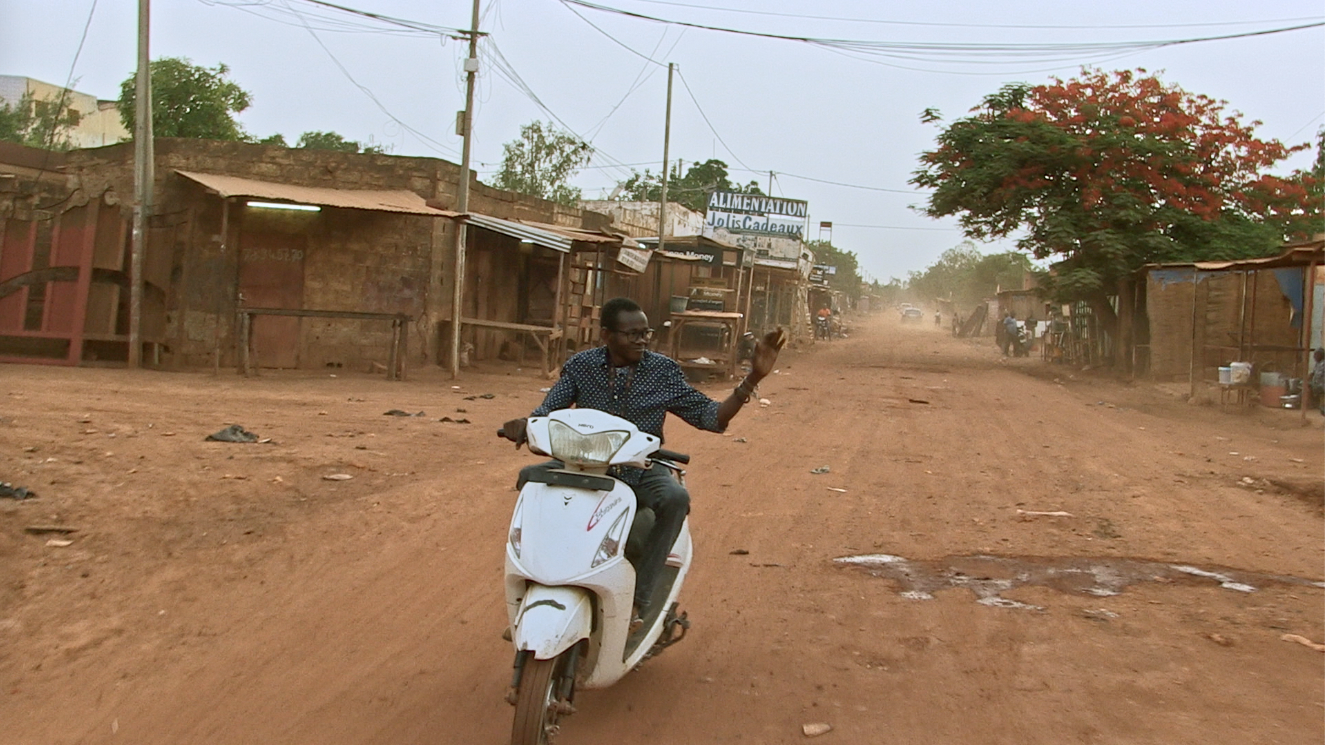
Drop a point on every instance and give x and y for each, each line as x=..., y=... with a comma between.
x=912, y=314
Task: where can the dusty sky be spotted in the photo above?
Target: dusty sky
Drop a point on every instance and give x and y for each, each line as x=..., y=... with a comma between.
x=790, y=107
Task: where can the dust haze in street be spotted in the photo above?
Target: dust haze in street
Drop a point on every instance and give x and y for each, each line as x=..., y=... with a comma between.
x=229, y=593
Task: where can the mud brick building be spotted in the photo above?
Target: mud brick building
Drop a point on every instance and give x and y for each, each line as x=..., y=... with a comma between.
x=239, y=226
x=1197, y=317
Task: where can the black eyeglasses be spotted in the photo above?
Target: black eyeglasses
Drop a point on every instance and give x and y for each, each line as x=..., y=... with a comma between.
x=636, y=335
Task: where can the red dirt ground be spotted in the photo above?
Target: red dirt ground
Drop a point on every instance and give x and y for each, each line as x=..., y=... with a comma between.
x=219, y=593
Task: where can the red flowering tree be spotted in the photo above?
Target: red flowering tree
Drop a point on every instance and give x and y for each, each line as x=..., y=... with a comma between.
x=1113, y=170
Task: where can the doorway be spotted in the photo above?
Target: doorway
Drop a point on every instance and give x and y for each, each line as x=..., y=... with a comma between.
x=271, y=275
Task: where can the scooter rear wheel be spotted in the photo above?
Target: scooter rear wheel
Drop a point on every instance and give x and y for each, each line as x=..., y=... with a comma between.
x=535, y=713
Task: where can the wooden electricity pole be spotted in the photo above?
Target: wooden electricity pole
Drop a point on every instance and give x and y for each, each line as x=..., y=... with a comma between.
x=462, y=194
x=143, y=175
x=667, y=141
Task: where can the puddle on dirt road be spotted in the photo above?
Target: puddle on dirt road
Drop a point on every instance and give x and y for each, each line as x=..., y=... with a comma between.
x=991, y=576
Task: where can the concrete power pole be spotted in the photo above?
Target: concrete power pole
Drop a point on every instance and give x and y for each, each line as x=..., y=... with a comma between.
x=667, y=141
x=143, y=175
x=462, y=195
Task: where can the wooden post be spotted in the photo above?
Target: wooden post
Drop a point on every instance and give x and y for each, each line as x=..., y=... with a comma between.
x=1196, y=337
x=85, y=260
x=402, y=357
x=561, y=315
x=1242, y=317
x=749, y=297
x=1308, y=312
x=216, y=329
x=242, y=322
x=393, y=354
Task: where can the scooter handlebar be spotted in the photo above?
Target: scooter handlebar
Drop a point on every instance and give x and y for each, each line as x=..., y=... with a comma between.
x=671, y=455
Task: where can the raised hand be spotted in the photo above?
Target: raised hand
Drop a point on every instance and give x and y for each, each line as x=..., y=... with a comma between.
x=766, y=352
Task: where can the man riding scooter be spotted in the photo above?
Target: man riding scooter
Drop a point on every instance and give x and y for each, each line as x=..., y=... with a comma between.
x=625, y=379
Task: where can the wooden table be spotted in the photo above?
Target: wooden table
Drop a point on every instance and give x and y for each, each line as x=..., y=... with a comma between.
x=543, y=336
x=395, y=366
x=1238, y=395
x=723, y=359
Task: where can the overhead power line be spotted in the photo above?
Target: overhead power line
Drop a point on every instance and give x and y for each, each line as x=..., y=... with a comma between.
x=963, y=52
x=507, y=71
x=335, y=21
x=428, y=141
x=837, y=224
x=747, y=11
x=849, y=186
x=700, y=109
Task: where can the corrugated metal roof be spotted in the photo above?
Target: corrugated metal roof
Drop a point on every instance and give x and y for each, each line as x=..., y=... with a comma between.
x=581, y=235
x=690, y=240
x=536, y=236
x=405, y=202
x=555, y=237
x=1296, y=254
x=777, y=263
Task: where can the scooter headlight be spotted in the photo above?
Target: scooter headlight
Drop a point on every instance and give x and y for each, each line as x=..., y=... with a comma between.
x=597, y=449
x=611, y=542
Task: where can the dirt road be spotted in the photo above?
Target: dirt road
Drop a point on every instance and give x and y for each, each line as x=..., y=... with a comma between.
x=227, y=593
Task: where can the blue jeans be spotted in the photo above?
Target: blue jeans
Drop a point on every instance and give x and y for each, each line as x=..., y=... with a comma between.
x=659, y=491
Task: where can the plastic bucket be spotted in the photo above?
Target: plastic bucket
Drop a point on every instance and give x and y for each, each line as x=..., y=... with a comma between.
x=1225, y=376
x=678, y=304
x=1270, y=395
x=1240, y=373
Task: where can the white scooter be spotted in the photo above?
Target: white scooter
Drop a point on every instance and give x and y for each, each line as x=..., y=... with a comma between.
x=569, y=578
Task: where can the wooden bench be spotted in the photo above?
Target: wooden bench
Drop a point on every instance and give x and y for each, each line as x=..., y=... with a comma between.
x=395, y=366
x=543, y=336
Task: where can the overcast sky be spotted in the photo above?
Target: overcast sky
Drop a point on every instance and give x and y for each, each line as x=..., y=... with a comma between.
x=797, y=109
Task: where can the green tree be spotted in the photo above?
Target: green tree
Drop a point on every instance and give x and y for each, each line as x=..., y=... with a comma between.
x=847, y=277
x=541, y=161
x=690, y=190
x=1110, y=171
x=189, y=101
x=333, y=141
x=38, y=122
x=966, y=276
x=276, y=139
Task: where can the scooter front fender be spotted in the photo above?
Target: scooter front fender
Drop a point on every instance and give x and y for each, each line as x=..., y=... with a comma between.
x=552, y=619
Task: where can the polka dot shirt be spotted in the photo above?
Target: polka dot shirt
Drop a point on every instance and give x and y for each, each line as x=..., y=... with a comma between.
x=642, y=397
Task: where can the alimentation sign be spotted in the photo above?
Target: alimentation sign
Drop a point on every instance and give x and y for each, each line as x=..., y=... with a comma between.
x=755, y=213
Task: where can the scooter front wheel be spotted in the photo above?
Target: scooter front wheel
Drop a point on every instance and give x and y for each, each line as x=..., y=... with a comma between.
x=537, y=709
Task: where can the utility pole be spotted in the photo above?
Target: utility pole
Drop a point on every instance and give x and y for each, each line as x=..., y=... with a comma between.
x=770, y=183
x=143, y=175
x=667, y=141
x=462, y=194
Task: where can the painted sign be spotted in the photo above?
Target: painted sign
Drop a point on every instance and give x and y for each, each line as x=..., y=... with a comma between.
x=755, y=213
x=633, y=258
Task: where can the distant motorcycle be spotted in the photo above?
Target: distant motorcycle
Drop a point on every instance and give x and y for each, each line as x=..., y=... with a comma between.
x=745, y=348
x=1021, y=346
x=823, y=328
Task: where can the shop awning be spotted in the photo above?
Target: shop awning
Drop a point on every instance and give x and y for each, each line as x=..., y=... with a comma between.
x=788, y=264
x=554, y=237
x=1295, y=254
x=536, y=236
x=404, y=202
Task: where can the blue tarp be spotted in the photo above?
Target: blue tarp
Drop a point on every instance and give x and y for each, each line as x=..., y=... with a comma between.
x=1291, y=282
x=1166, y=277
